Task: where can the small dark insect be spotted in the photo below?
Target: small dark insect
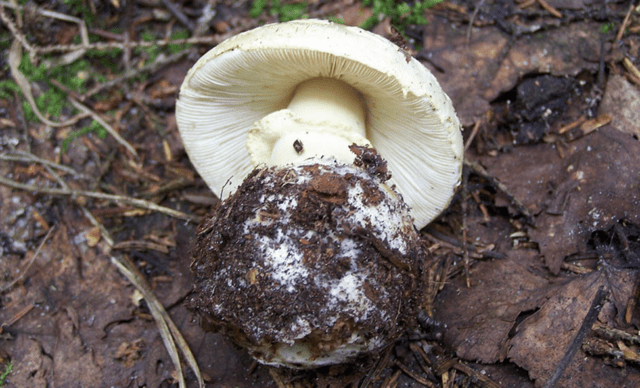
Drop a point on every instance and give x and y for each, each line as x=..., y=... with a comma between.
x=434, y=329
x=297, y=145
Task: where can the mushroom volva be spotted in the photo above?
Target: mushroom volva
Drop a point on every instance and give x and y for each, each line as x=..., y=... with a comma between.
x=329, y=147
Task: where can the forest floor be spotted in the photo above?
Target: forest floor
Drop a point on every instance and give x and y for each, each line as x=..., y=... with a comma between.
x=535, y=264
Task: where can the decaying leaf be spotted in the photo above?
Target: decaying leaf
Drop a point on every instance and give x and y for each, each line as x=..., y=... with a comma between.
x=621, y=100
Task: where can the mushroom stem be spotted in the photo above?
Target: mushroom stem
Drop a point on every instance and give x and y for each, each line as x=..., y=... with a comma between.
x=330, y=100
x=325, y=117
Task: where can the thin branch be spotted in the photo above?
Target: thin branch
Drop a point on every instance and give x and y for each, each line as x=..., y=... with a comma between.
x=101, y=46
x=163, y=327
x=474, y=132
x=554, y=12
x=104, y=124
x=23, y=273
x=17, y=156
x=587, y=323
x=21, y=314
x=68, y=58
x=480, y=171
x=159, y=62
x=625, y=22
x=208, y=13
x=17, y=35
x=472, y=20
x=139, y=203
x=15, y=57
x=168, y=330
x=414, y=376
x=177, y=12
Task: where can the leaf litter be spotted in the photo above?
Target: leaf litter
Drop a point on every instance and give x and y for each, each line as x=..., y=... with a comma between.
x=546, y=91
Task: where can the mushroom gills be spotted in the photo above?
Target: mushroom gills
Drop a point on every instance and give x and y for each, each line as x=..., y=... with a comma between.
x=250, y=92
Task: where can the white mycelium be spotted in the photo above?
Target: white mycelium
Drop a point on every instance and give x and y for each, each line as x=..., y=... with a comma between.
x=282, y=260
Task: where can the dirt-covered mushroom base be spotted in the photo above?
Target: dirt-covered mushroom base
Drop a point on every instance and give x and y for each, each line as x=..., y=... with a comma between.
x=310, y=265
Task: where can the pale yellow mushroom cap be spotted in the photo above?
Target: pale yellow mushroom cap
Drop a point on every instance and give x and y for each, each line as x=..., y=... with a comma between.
x=409, y=119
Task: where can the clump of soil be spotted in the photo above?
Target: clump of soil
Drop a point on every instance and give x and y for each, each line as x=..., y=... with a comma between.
x=310, y=265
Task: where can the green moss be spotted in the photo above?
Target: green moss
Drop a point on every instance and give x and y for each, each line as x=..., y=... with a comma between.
x=257, y=7
x=401, y=13
x=53, y=100
x=5, y=40
x=94, y=127
x=608, y=27
x=108, y=58
x=79, y=8
x=152, y=52
x=8, y=368
x=7, y=88
x=179, y=34
x=284, y=12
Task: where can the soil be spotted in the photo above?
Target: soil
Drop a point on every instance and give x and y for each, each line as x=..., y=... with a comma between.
x=531, y=274
x=300, y=250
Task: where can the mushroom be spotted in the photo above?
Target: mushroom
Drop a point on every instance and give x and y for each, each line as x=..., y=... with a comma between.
x=318, y=87
x=311, y=264
x=327, y=145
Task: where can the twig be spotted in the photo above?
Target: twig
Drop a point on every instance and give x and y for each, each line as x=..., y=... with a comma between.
x=479, y=170
x=472, y=20
x=104, y=124
x=483, y=380
x=589, y=319
x=526, y=4
x=15, y=57
x=159, y=62
x=422, y=359
x=375, y=371
x=631, y=67
x=453, y=242
x=550, y=9
x=632, y=302
x=139, y=203
x=623, y=26
x=17, y=156
x=17, y=35
x=101, y=46
x=208, y=13
x=417, y=378
x=572, y=125
x=465, y=246
x=168, y=330
x=17, y=317
x=23, y=273
x=392, y=380
x=611, y=334
x=103, y=231
x=277, y=378
x=128, y=32
x=177, y=12
x=474, y=132
x=68, y=58
x=141, y=246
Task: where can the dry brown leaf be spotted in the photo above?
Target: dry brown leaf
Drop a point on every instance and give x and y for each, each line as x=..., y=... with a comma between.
x=621, y=100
